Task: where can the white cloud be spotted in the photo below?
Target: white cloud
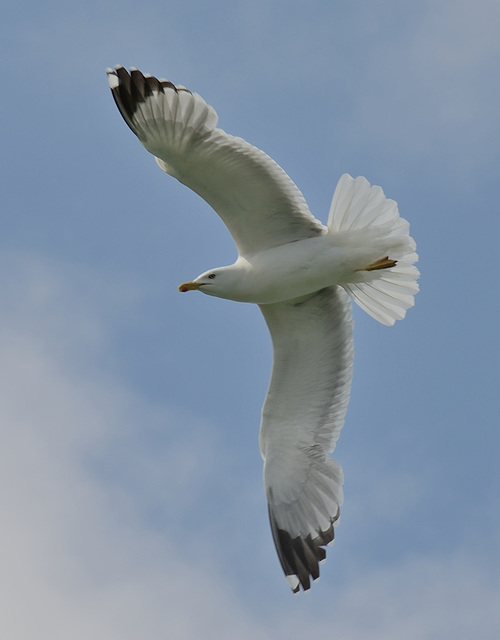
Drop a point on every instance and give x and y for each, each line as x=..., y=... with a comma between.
x=77, y=560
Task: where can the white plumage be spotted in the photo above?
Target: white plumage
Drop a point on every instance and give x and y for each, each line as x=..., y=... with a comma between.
x=299, y=272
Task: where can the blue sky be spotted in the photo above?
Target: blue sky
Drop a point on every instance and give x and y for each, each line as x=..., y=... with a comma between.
x=131, y=487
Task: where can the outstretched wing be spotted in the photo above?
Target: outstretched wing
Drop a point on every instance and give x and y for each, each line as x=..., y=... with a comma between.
x=258, y=202
x=301, y=420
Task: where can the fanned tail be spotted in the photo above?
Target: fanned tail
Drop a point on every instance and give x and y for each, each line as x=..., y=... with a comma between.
x=386, y=288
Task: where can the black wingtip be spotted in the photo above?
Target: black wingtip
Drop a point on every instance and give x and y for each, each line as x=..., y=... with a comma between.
x=131, y=88
x=300, y=556
x=128, y=91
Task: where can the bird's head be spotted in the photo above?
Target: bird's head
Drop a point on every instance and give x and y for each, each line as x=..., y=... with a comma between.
x=223, y=282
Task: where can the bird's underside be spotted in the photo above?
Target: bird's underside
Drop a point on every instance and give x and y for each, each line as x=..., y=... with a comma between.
x=263, y=209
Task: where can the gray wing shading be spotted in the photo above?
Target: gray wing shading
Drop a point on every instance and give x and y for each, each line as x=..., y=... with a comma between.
x=258, y=202
x=301, y=421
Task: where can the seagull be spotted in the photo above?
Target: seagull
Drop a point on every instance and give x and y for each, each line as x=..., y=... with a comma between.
x=303, y=275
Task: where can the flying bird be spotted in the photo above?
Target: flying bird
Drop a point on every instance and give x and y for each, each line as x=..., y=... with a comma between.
x=303, y=275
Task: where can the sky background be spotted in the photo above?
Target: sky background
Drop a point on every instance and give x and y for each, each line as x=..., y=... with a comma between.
x=130, y=477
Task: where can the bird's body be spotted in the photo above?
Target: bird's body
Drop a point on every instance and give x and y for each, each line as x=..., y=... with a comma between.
x=300, y=273
x=297, y=269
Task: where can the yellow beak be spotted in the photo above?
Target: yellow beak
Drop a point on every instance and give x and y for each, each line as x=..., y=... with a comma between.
x=189, y=286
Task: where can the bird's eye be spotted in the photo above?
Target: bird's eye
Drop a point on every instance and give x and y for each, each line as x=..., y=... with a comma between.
x=211, y=276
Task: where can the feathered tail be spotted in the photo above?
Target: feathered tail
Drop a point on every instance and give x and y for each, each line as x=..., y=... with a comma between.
x=385, y=292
